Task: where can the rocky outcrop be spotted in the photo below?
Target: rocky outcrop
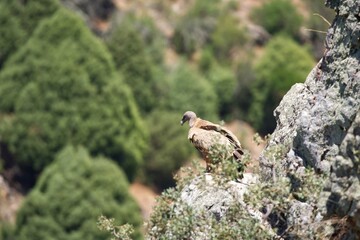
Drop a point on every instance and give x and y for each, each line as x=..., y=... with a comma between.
x=343, y=189
x=313, y=118
x=206, y=195
x=205, y=207
x=318, y=121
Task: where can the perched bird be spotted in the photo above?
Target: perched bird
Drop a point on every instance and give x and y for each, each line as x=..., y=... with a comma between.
x=213, y=141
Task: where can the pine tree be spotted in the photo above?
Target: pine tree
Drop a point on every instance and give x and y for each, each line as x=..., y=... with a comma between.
x=134, y=63
x=18, y=19
x=71, y=194
x=61, y=88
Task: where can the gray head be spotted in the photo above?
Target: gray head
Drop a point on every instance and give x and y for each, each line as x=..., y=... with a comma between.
x=188, y=116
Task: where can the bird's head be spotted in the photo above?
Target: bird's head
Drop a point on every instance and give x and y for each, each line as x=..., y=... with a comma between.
x=188, y=116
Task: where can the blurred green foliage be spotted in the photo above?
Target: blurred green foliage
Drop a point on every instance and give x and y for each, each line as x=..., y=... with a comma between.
x=226, y=36
x=136, y=64
x=278, y=16
x=189, y=90
x=245, y=76
x=223, y=81
x=153, y=39
x=169, y=148
x=7, y=230
x=208, y=24
x=192, y=33
x=194, y=29
x=71, y=194
x=204, y=8
x=283, y=64
x=62, y=88
x=18, y=19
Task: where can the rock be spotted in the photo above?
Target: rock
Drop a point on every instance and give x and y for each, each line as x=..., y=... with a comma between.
x=344, y=190
x=318, y=122
x=206, y=195
x=300, y=214
x=202, y=206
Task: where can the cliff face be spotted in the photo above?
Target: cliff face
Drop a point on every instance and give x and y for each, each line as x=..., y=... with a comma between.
x=343, y=190
x=313, y=118
x=318, y=127
x=318, y=122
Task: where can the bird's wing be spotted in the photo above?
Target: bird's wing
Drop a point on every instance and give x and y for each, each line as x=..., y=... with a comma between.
x=206, y=125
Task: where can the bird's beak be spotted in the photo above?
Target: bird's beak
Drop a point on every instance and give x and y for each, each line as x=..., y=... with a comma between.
x=182, y=122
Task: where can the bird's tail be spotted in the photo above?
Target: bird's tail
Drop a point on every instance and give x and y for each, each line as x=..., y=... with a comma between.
x=238, y=154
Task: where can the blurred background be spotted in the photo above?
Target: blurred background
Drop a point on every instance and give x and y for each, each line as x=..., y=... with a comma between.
x=92, y=92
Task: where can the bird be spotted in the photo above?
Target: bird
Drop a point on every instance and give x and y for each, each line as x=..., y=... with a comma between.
x=213, y=141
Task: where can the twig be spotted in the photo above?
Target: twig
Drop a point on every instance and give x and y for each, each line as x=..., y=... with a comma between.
x=323, y=18
x=314, y=30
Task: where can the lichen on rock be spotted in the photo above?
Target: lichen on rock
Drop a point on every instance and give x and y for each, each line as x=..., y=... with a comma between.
x=318, y=121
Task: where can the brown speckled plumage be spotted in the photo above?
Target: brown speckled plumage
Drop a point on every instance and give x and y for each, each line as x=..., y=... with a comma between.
x=207, y=136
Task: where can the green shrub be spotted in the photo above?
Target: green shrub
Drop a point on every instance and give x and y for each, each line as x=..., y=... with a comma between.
x=192, y=34
x=245, y=76
x=18, y=19
x=226, y=36
x=223, y=82
x=194, y=29
x=283, y=64
x=222, y=79
x=118, y=232
x=278, y=16
x=71, y=194
x=134, y=62
x=7, y=230
x=211, y=24
x=12, y=34
x=152, y=37
x=190, y=91
x=169, y=148
x=207, y=60
x=61, y=87
x=202, y=8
